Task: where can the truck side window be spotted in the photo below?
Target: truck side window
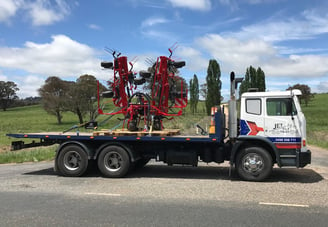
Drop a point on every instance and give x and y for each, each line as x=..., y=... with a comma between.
x=280, y=107
x=253, y=106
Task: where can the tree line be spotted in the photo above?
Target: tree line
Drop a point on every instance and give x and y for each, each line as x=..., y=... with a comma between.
x=9, y=98
x=211, y=90
x=80, y=97
x=254, y=79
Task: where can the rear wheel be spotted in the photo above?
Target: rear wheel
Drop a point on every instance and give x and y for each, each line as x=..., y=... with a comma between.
x=114, y=161
x=254, y=164
x=72, y=161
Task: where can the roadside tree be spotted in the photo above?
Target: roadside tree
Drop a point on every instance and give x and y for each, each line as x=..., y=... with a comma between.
x=254, y=78
x=194, y=94
x=306, y=96
x=7, y=94
x=83, y=97
x=54, y=94
x=213, y=96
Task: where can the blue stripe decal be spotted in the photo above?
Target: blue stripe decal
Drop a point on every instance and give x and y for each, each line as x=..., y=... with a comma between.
x=244, y=129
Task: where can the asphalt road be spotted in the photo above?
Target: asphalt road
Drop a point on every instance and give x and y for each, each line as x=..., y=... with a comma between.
x=32, y=195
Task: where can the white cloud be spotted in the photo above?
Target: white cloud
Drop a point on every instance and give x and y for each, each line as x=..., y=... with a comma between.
x=148, y=29
x=279, y=28
x=161, y=36
x=8, y=9
x=236, y=55
x=94, y=27
x=232, y=4
x=194, y=59
x=61, y=57
x=3, y=77
x=202, y=5
x=323, y=86
x=153, y=21
x=288, y=50
x=147, y=3
x=297, y=66
x=43, y=12
x=29, y=85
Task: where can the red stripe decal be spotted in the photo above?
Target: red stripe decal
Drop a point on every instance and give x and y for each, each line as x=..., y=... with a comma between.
x=288, y=146
x=254, y=129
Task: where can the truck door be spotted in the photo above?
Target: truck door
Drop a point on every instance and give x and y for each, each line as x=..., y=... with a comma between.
x=279, y=124
x=252, y=117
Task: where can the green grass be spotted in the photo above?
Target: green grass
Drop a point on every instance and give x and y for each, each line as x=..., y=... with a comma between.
x=187, y=121
x=28, y=155
x=35, y=119
x=317, y=121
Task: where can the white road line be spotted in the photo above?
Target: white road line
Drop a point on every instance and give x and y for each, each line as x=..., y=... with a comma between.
x=284, y=204
x=103, y=194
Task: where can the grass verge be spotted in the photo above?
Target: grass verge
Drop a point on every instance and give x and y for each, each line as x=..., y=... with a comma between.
x=28, y=155
x=316, y=119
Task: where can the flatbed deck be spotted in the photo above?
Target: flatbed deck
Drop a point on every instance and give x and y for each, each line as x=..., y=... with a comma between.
x=154, y=136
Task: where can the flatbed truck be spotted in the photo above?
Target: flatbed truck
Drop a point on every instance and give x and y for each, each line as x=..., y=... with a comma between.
x=271, y=130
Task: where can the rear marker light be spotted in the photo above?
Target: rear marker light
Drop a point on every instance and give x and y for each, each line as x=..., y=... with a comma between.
x=47, y=136
x=304, y=143
x=91, y=137
x=114, y=137
x=213, y=139
x=162, y=138
x=138, y=138
x=188, y=139
x=25, y=136
x=68, y=137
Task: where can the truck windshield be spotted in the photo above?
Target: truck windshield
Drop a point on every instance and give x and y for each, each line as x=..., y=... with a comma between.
x=280, y=107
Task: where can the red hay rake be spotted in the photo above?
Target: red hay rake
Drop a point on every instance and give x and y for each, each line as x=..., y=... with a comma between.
x=168, y=92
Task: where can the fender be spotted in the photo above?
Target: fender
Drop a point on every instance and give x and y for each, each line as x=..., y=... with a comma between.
x=85, y=147
x=133, y=155
x=253, y=139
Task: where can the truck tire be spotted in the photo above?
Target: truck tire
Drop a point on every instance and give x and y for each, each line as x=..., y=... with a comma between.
x=114, y=161
x=254, y=164
x=72, y=161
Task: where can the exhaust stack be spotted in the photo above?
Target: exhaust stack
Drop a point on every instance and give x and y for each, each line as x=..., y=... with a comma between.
x=232, y=105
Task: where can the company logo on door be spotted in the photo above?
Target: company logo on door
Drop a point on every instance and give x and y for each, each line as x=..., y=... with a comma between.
x=249, y=128
x=281, y=128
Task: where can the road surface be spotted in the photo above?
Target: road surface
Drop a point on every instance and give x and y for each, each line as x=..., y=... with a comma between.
x=31, y=194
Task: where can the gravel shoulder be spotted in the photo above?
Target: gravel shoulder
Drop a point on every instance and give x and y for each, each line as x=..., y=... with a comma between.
x=319, y=162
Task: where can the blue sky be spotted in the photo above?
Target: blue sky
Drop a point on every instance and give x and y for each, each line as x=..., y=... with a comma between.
x=66, y=38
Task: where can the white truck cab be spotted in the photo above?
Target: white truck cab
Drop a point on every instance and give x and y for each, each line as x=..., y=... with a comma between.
x=277, y=117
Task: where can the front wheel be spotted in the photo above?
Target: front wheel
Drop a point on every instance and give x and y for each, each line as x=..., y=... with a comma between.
x=114, y=161
x=254, y=164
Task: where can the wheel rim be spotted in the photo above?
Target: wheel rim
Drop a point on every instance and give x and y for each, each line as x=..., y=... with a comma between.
x=72, y=160
x=113, y=161
x=252, y=163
